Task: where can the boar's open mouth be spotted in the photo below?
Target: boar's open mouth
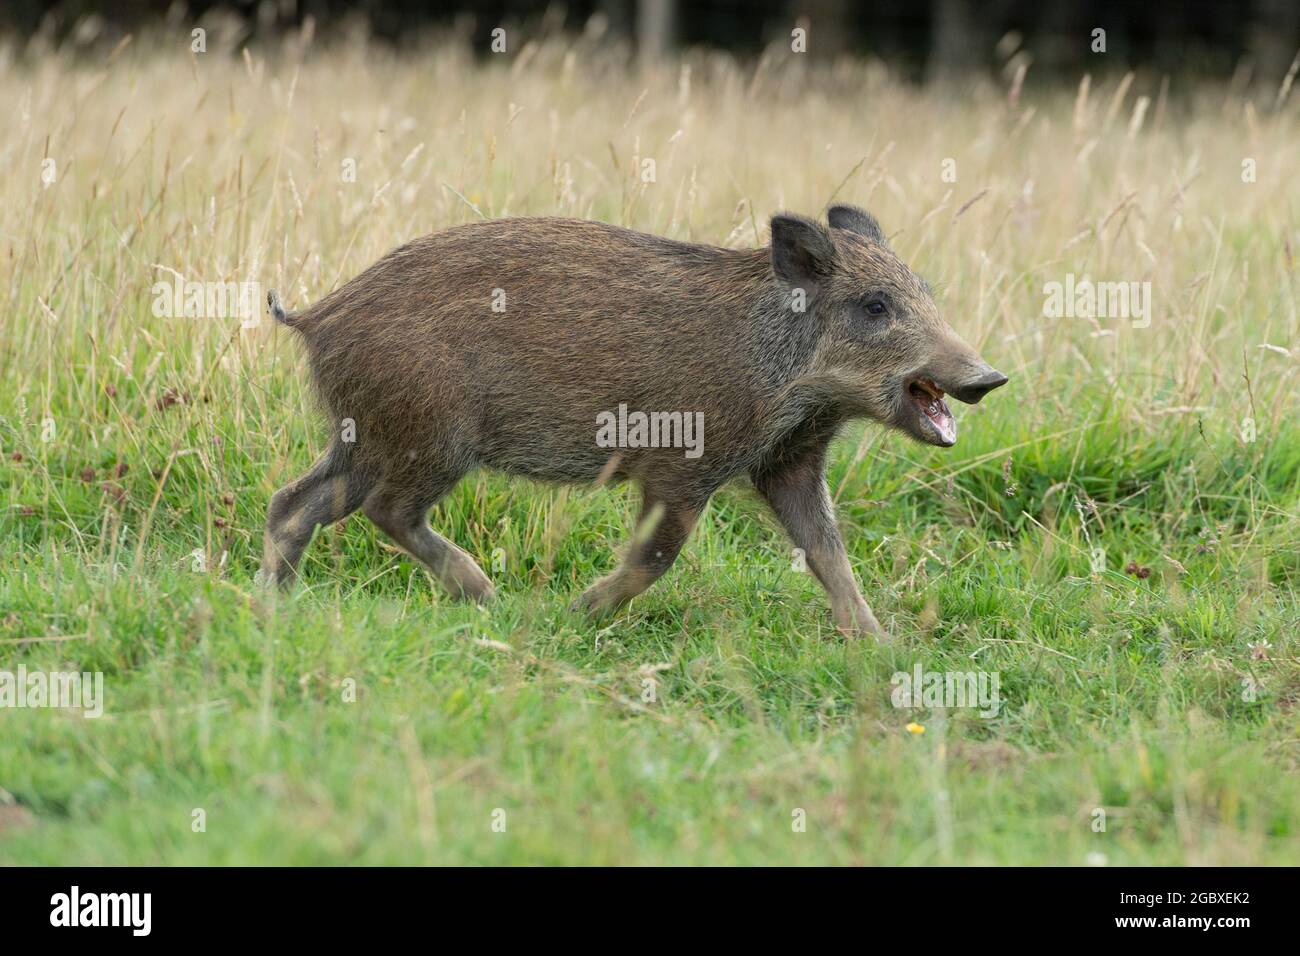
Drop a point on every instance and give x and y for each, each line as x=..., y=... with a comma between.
x=932, y=421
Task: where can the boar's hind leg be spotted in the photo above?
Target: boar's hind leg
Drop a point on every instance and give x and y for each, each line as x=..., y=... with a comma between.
x=797, y=493
x=404, y=516
x=329, y=492
x=661, y=529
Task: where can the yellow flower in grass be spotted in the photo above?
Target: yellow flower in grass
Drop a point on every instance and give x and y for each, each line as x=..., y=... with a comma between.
x=915, y=728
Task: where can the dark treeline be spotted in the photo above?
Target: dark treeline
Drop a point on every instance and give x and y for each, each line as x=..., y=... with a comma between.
x=928, y=36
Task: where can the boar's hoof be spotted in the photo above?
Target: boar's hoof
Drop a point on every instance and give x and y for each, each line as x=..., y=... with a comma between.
x=860, y=622
x=269, y=580
x=598, y=600
x=472, y=588
x=880, y=635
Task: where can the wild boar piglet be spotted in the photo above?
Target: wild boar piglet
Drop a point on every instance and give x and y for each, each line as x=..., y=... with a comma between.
x=572, y=351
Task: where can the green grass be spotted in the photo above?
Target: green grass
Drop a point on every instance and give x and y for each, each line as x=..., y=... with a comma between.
x=130, y=534
x=1120, y=693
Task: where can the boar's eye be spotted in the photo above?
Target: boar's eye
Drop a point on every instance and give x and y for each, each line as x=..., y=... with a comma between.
x=875, y=307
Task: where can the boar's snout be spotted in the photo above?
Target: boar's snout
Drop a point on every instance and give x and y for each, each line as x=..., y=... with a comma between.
x=929, y=418
x=978, y=385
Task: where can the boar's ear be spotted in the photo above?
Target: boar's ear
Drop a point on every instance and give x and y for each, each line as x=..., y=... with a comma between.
x=802, y=251
x=853, y=219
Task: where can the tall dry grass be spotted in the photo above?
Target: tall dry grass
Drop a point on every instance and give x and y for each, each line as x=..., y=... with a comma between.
x=151, y=162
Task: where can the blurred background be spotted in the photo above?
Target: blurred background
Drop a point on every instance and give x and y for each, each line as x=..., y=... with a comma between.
x=921, y=39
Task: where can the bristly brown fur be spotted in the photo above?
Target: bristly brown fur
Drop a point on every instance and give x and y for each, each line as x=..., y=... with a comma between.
x=412, y=360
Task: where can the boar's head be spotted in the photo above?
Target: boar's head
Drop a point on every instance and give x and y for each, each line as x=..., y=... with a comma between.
x=890, y=355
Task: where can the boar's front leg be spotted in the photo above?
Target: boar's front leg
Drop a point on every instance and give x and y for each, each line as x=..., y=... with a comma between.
x=662, y=527
x=798, y=494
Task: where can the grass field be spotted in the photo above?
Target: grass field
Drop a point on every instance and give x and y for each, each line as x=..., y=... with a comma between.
x=1114, y=536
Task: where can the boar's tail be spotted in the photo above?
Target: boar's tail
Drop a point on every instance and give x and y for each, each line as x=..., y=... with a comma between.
x=277, y=310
